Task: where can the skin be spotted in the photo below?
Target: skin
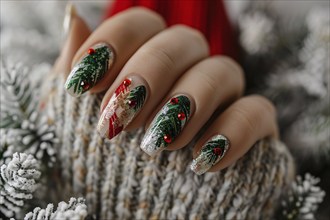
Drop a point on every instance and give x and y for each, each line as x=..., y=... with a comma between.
x=146, y=48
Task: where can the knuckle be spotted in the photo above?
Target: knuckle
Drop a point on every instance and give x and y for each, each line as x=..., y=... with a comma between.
x=245, y=119
x=132, y=14
x=264, y=104
x=216, y=71
x=252, y=111
x=258, y=115
x=195, y=35
x=152, y=15
x=209, y=82
x=232, y=67
x=161, y=55
x=140, y=9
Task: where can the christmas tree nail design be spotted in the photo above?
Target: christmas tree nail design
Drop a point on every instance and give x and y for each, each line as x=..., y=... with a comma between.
x=90, y=69
x=123, y=106
x=211, y=153
x=167, y=125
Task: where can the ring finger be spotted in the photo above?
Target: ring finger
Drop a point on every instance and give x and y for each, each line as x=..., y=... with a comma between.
x=213, y=82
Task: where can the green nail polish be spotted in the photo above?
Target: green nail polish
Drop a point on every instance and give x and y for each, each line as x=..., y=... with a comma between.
x=90, y=69
x=167, y=125
x=211, y=153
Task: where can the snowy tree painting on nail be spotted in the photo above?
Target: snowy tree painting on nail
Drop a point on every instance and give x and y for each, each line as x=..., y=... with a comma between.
x=167, y=125
x=90, y=69
x=123, y=106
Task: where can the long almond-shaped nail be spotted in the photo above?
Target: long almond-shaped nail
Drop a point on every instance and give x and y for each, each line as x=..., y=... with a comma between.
x=90, y=69
x=167, y=125
x=70, y=12
x=211, y=153
x=123, y=106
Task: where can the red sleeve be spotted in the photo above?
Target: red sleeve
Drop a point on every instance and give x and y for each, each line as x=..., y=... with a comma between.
x=208, y=16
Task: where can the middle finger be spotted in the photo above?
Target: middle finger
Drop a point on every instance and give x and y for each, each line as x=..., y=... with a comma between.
x=150, y=73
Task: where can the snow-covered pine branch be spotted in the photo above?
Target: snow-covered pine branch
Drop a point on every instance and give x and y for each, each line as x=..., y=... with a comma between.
x=16, y=95
x=18, y=180
x=23, y=127
x=75, y=209
x=303, y=199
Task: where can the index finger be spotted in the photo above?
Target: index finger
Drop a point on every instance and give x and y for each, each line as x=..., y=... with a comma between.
x=120, y=36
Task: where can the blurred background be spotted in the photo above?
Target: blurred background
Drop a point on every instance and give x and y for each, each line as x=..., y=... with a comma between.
x=284, y=50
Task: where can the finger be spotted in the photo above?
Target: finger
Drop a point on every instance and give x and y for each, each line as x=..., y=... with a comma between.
x=152, y=70
x=122, y=35
x=76, y=32
x=199, y=92
x=245, y=122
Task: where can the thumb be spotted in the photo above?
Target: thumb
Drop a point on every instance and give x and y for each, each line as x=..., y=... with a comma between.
x=76, y=32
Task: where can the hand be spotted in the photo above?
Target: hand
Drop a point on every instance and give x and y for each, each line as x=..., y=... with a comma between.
x=164, y=79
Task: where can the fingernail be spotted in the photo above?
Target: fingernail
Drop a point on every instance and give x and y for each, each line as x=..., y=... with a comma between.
x=70, y=12
x=90, y=69
x=123, y=106
x=167, y=125
x=211, y=153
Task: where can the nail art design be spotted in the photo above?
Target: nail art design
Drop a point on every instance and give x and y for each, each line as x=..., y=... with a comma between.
x=123, y=106
x=211, y=153
x=90, y=69
x=167, y=125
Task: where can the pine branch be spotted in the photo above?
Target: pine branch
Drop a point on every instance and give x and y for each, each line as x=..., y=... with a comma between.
x=168, y=123
x=91, y=68
x=75, y=209
x=18, y=180
x=16, y=96
x=138, y=96
x=25, y=129
x=302, y=200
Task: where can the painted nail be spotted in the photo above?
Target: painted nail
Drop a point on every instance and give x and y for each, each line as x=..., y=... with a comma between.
x=167, y=125
x=70, y=12
x=211, y=153
x=123, y=106
x=90, y=69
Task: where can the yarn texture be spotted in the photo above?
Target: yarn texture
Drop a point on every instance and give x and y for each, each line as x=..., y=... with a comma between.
x=100, y=179
x=119, y=181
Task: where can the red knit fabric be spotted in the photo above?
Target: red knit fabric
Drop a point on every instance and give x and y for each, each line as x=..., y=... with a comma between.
x=208, y=16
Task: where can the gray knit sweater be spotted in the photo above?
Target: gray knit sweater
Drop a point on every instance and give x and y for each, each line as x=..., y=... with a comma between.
x=119, y=181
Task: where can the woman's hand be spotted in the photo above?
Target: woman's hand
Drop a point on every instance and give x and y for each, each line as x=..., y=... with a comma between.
x=164, y=79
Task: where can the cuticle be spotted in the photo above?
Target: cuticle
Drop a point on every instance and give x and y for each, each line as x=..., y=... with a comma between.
x=85, y=54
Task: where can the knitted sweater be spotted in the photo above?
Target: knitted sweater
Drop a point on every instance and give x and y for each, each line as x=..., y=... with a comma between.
x=119, y=181
x=116, y=178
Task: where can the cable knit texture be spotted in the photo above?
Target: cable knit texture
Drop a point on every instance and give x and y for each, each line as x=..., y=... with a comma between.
x=119, y=181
